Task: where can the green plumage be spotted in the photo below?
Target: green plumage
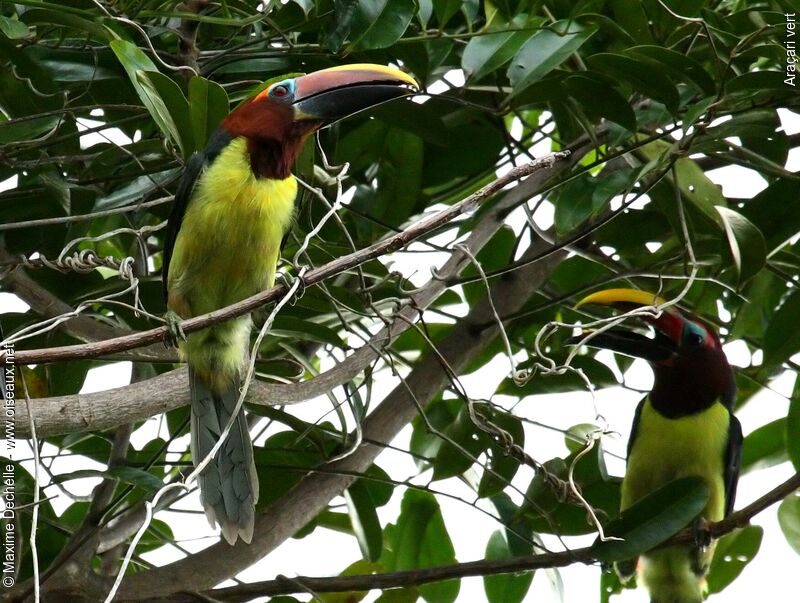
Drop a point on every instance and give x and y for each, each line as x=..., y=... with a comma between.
x=685, y=427
x=663, y=449
x=226, y=235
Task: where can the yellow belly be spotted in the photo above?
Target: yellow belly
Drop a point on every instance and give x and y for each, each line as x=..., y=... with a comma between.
x=668, y=449
x=665, y=450
x=226, y=250
x=228, y=245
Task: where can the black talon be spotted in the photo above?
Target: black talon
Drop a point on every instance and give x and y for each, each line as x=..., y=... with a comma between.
x=702, y=540
x=701, y=532
x=175, y=332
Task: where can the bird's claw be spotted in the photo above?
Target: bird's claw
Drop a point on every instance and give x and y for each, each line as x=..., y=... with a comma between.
x=175, y=333
x=702, y=540
x=701, y=532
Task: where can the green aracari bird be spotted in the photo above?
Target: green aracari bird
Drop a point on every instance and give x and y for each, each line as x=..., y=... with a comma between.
x=234, y=206
x=684, y=427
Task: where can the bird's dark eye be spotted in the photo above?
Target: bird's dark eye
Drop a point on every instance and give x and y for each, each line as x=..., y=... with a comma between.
x=693, y=335
x=694, y=339
x=280, y=91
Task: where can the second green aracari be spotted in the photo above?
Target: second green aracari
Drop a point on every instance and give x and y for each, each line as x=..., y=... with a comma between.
x=233, y=208
x=684, y=427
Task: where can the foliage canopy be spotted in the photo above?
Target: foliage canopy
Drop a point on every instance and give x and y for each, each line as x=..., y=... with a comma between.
x=102, y=103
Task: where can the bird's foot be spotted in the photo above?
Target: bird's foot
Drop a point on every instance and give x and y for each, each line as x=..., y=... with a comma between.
x=626, y=569
x=290, y=281
x=700, y=561
x=701, y=530
x=175, y=333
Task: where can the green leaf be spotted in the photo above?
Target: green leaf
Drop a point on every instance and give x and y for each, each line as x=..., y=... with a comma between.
x=734, y=551
x=769, y=211
x=305, y=330
x=421, y=540
x=380, y=23
x=48, y=18
x=789, y=520
x=653, y=520
x=765, y=446
x=359, y=568
x=746, y=243
x=172, y=107
x=782, y=338
x=793, y=427
x=135, y=189
x=582, y=198
x=504, y=588
x=694, y=185
x=600, y=100
x=208, y=105
x=13, y=29
x=164, y=111
x=502, y=467
x=545, y=50
x=639, y=75
x=677, y=65
x=27, y=129
x=400, y=176
x=364, y=519
x=445, y=9
x=306, y=5
x=483, y=54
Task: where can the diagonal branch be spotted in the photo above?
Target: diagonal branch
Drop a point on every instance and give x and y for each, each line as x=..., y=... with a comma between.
x=484, y=567
x=317, y=275
x=107, y=409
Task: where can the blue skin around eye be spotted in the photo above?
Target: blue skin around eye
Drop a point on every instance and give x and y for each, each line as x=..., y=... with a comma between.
x=289, y=85
x=694, y=329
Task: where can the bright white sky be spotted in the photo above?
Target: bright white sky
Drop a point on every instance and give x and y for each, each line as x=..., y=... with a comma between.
x=327, y=553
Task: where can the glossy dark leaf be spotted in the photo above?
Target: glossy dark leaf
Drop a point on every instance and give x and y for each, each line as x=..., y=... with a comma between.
x=789, y=519
x=653, y=519
x=782, y=339
x=364, y=518
x=792, y=433
x=746, y=244
x=208, y=104
x=380, y=23
x=421, y=540
x=485, y=54
x=734, y=551
x=545, y=50
x=765, y=446
x=504, y=588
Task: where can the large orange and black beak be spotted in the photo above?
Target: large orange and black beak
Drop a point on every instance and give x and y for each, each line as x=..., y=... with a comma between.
x=331, y=94
x=668, y=326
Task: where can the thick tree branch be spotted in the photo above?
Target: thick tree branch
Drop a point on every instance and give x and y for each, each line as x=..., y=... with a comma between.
x=136, y=402
x=218, y=562
x=484, y=567
x=317, y=275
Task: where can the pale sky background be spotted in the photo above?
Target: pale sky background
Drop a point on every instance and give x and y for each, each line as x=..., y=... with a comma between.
x=328, y=553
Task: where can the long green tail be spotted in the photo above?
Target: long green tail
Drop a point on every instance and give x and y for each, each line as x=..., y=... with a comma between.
x=228, y=484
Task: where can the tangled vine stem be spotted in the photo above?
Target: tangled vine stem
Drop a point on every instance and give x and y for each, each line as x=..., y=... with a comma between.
x=486, y=567
x=317, y=275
